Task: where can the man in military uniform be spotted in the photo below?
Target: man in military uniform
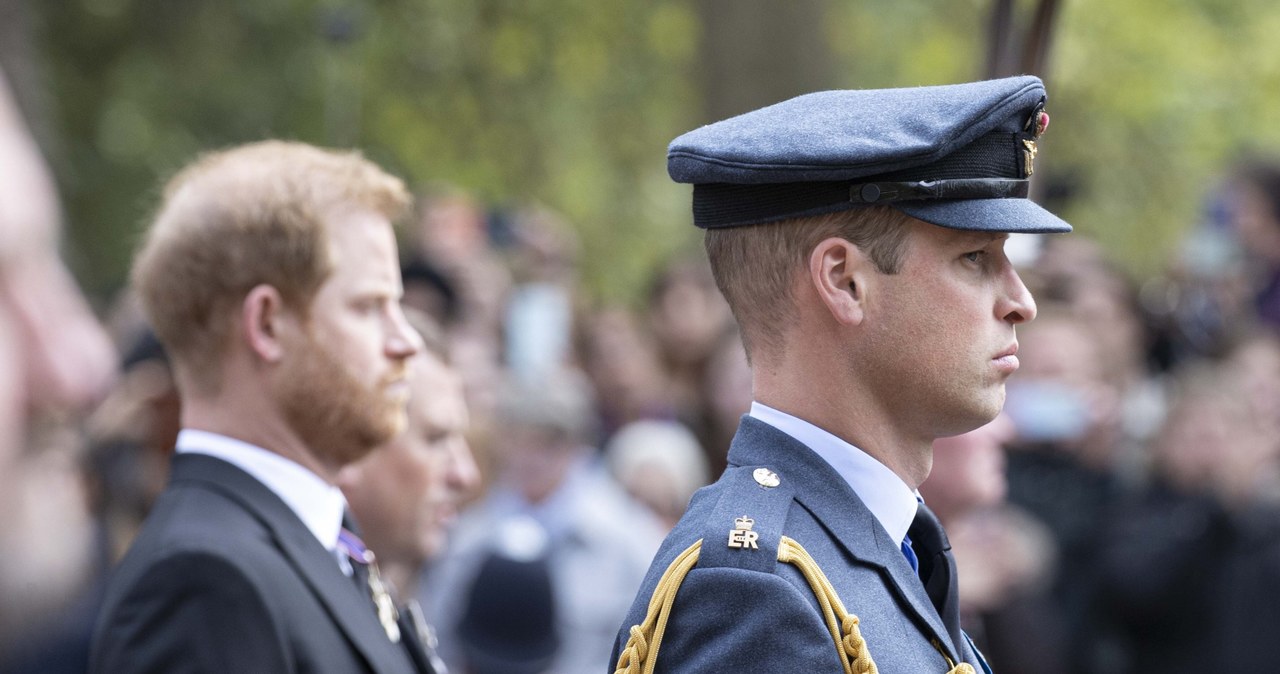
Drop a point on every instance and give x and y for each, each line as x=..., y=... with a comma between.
x=859, y=238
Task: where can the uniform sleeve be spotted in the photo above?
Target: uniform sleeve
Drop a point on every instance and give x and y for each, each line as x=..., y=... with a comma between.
x=190, y=613
x=734, y=620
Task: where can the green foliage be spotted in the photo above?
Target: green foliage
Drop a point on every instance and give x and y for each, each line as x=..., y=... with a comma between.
x=571, y=103
x=1154, y=100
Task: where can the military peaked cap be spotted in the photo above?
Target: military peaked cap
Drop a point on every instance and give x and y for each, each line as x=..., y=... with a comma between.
x=958, y=156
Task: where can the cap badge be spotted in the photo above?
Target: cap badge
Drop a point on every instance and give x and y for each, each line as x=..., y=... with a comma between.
x=766, y=478
x=1042, y=123
x=1029, y=156
x=741, y=536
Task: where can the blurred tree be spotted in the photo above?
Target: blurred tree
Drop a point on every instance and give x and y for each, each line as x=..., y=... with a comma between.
x=1010, y=52
x=1150, y=100
x=571, y=102
x=755, y=52
x=568, y=102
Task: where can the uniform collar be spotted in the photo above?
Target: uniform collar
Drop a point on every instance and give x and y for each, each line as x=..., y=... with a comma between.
x=889, y=499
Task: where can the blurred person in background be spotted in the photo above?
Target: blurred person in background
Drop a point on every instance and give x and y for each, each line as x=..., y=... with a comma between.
x=1076, y=272
x=55, y=362
x=1062, y=459
x=687, y=316
x=270, y=275
x=130, y=437
x=1190, y=565
x=451, y=236
x=625, y=369
x=62, y=357
x=1225, y=277
x=1005, y=556
x=1063, y=400
x=1077, y=275
x=660, y=463
x=405, y=495
x=538, y=313
x=509, y=622
x=1196, y=306
x=1255, y=215
x=429, y=290
x=599, y=539
x=1254, y=365
x=726, y=395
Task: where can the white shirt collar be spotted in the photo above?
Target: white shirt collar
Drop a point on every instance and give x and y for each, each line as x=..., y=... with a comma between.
x=317, y=503
x=889, y=499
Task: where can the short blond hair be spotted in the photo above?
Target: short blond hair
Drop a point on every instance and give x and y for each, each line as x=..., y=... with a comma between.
x=237, y=218
x=755, y=266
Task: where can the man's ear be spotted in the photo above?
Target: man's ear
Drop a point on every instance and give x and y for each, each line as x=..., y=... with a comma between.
x=839, y=272
x=262, y=317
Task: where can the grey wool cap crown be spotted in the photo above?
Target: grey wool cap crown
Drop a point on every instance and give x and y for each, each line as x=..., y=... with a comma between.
x=957, y=156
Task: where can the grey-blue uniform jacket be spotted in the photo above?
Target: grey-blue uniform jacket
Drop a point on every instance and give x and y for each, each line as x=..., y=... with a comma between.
x=739, y=610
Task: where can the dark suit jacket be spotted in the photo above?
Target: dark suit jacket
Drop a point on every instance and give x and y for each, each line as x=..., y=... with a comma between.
x=224, y=577
x=739, y=610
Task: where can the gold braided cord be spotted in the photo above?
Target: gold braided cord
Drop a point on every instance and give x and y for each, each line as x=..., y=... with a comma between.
x=640, y=655
x=844, y=627
x=962, y=668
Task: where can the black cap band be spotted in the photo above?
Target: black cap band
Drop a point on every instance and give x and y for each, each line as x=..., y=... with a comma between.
x=995, y=166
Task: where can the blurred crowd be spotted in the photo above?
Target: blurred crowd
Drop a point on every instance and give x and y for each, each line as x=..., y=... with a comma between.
x=1122, y=515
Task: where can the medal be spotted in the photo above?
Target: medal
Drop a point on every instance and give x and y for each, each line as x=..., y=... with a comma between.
x=382, y=602
x=387, y=614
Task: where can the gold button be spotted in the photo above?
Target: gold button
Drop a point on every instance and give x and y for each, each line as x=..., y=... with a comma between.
x=766, y=478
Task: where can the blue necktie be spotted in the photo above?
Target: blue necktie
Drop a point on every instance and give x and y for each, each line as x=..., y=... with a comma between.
x=910, y=554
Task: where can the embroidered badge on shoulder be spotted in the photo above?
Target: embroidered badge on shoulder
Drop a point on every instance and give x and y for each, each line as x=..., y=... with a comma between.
x=741, y=536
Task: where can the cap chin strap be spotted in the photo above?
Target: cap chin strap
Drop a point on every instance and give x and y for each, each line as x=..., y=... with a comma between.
x=641, y=653
x=958, y=188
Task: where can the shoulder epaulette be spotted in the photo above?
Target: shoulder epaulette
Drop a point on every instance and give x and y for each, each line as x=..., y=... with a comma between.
x=744, y=528
x=752, y=540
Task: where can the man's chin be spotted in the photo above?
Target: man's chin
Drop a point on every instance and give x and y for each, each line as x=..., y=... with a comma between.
x=433, y=547
x=975, y=417
x=362, y=443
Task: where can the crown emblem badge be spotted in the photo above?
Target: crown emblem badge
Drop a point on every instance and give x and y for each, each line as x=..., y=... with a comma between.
x=1037, y=125
x=742, y=536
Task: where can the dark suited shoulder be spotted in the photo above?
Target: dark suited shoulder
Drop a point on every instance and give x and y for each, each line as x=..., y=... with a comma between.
x=195, y=582
x=215, y=583
x=183, y=613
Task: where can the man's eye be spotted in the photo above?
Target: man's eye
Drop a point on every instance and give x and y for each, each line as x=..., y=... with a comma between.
x=368, y=305
x=975, y=256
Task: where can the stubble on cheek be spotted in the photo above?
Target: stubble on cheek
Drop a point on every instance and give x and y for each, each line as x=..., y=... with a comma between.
x=339, y=418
